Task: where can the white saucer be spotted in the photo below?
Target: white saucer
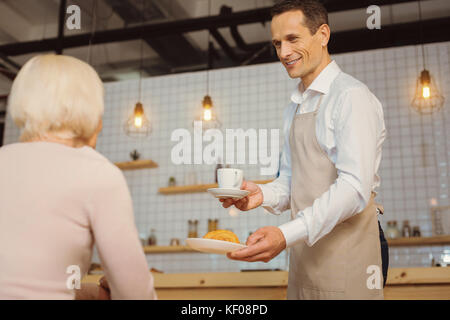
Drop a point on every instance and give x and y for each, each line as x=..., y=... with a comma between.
x=213, y=246
x=225, y=193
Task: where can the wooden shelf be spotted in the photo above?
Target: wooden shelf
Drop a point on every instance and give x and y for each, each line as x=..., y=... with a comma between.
x=167, y=249
x=419, y=241
x=197, y=188
x=137, y=164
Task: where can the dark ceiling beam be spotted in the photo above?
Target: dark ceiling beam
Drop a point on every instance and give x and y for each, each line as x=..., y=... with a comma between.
x=9, y=74
x=266, y=48
x=260, y=15
x=241, y=44
x=229, y=51
x=9, y=61
x=342, y=5
x=132, y=11
x=224, y=45
x=168, y=47
x=402, y=34
x=133, y=33
x=240, y=41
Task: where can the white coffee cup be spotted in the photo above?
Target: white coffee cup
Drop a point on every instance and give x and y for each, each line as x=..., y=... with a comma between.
x=229, y=178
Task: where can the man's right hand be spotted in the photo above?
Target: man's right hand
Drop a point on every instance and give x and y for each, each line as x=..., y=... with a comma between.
x=253, y=200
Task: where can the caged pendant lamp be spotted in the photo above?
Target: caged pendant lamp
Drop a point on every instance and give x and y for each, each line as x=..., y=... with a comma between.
x=427, y=98
x=138, y=124
x=208, y=115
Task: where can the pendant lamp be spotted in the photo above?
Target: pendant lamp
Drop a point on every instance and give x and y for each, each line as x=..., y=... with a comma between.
x=427, y=98
x=138, y=123
x=208, y=114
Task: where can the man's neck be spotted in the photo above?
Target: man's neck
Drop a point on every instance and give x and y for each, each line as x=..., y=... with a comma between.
x=309, y=78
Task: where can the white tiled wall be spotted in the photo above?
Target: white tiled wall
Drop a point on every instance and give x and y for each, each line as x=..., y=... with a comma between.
x=255, y=97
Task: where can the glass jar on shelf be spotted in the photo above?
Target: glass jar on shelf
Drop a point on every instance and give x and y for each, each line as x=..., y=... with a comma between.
x=152, y=238
x=406, y=229
x=212, y=224
x=172, y=182
x=416, y=231
x=143, y=239
x=192, y=228
x=392, y=231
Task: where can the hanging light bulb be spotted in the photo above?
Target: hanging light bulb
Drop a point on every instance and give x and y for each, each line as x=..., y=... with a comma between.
x=207, y=105
x=138, y=123
x=426, y=92
x=425, y=83
x=208, y=115
x=427, y=98
x=138, y=114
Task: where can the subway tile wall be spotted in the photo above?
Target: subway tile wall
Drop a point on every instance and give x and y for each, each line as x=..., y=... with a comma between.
x=414, y=168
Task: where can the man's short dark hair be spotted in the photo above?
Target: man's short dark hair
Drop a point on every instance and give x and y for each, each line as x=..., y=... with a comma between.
x=314, y=12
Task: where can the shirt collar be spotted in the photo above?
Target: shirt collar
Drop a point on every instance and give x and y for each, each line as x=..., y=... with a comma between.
x=320, y=84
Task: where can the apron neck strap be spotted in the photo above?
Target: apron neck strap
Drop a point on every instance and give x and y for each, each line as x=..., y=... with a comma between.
x=317, y=106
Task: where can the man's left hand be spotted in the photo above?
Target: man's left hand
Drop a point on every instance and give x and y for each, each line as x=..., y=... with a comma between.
x=263, y=245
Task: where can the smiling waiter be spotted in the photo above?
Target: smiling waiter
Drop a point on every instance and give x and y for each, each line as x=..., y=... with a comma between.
x=334, y=130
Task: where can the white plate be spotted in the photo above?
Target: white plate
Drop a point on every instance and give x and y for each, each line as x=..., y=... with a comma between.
x=213, y=246
x=223, y=193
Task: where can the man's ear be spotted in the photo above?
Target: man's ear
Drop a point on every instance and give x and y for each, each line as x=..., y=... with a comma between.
x=324, y=33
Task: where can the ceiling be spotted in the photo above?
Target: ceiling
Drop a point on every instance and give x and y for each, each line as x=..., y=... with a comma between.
x=36, y=20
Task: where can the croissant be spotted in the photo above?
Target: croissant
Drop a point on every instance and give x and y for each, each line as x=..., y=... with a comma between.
x=224, y=235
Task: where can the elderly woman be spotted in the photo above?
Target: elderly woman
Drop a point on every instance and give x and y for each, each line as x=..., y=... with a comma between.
x=58, y=195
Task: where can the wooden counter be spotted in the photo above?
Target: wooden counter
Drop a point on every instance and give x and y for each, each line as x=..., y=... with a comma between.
x=402, y=284
x=418, y=283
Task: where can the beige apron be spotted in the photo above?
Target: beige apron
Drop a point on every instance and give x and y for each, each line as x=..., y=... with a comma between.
x=335, y=267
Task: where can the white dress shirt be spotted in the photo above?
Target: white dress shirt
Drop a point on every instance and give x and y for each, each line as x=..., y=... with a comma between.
x=350, y=129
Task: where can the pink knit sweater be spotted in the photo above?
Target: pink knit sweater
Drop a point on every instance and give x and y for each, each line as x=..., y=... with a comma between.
x=55, y=202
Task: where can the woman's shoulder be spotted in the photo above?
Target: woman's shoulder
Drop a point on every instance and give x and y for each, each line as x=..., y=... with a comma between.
x=81, y=162
x=100, y=166
x=103, y=176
